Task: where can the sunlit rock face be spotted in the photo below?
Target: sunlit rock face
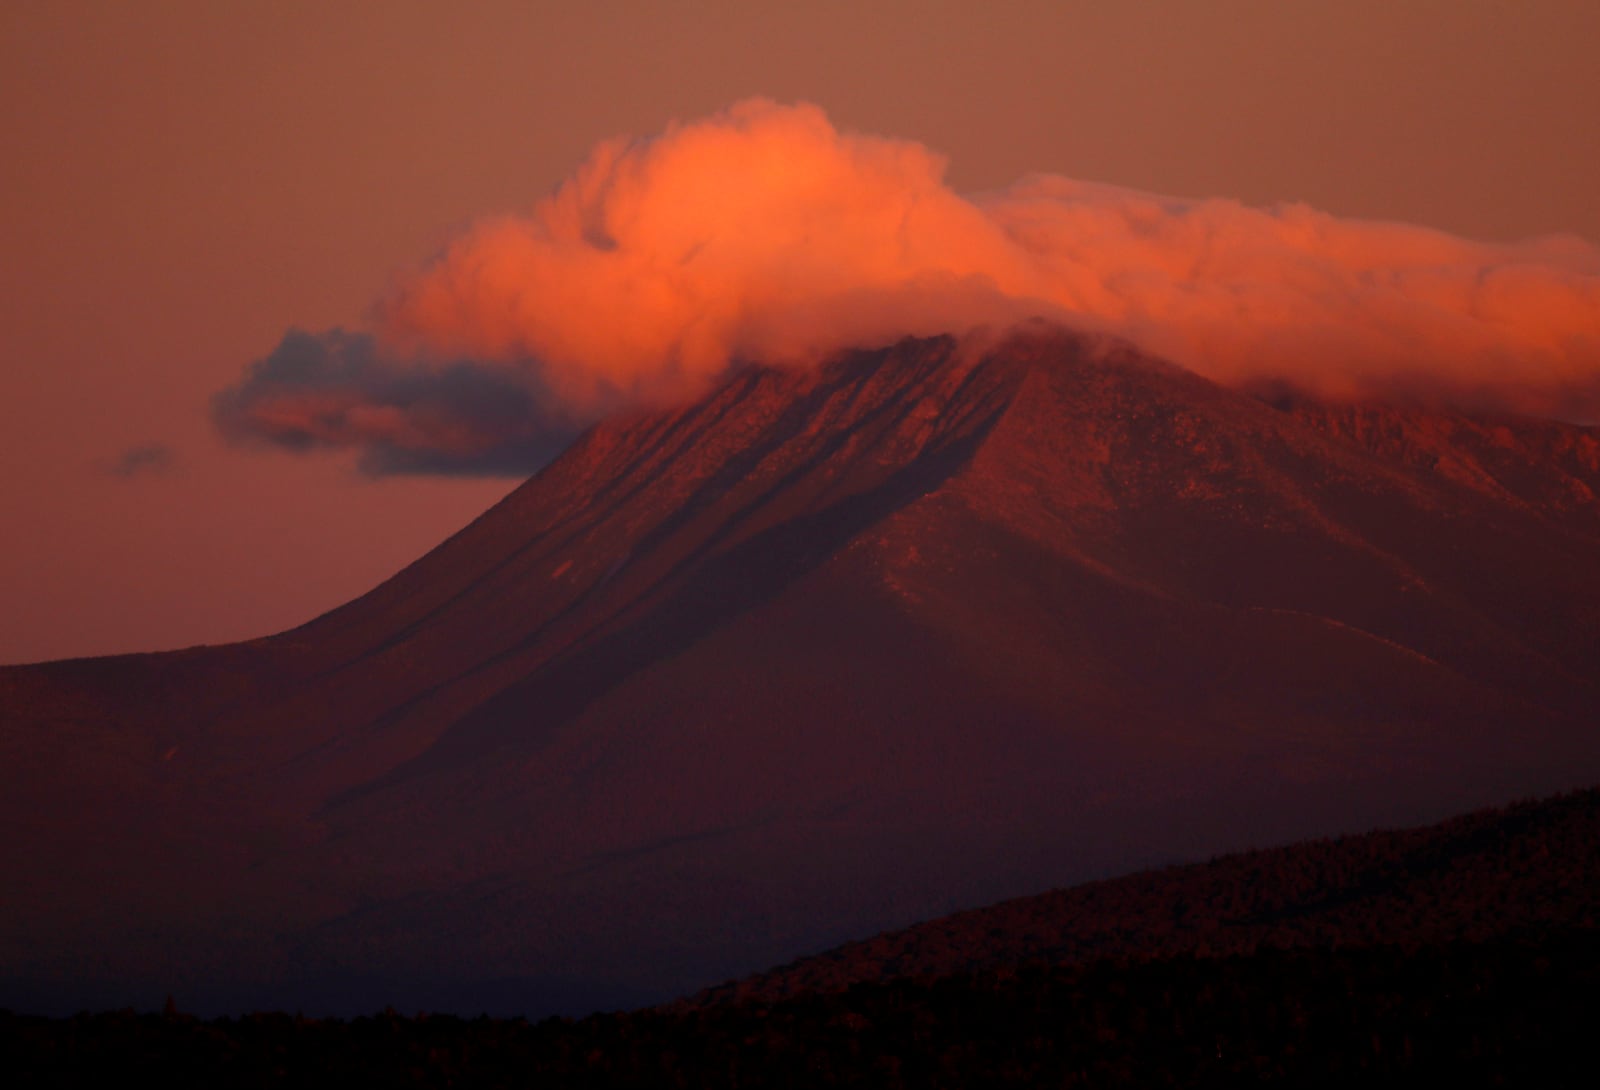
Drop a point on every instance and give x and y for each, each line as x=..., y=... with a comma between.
x=828, y=650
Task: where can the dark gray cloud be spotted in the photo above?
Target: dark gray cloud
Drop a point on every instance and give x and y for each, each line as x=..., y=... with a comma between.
x=145, y=459
x=336, y=390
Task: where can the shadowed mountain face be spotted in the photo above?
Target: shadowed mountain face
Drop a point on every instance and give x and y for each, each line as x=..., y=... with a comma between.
x=826, y=652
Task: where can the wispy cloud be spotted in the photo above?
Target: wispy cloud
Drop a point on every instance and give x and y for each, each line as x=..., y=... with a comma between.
x=143, y=460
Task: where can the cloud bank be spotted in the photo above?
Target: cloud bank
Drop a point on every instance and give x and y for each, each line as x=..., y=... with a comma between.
x=764, y=233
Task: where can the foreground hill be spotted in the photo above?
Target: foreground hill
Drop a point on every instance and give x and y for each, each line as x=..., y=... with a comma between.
x=1525, y=870
x=824, y=653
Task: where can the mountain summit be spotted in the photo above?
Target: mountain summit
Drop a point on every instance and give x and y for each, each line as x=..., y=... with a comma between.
x=827, y=651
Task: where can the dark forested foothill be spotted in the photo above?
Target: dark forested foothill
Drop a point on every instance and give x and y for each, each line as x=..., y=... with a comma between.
x=1528, y=867
x=1514, y=1012
x=1468, y=950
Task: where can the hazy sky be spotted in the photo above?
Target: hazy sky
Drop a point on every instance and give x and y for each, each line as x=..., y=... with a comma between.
x=184, y=182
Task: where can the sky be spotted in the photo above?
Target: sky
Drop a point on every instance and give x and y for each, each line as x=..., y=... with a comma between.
x=186, y=184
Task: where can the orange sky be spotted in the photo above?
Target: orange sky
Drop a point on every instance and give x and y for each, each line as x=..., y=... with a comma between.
x=186, y=181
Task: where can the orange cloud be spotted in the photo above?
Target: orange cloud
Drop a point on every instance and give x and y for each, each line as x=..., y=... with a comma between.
x=763, y=233
x=660, y=260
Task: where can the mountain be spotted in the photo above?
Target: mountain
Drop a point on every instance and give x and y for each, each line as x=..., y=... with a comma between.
x=825, y=652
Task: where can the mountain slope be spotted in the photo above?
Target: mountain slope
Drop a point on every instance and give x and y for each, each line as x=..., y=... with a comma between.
x=824, y=652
